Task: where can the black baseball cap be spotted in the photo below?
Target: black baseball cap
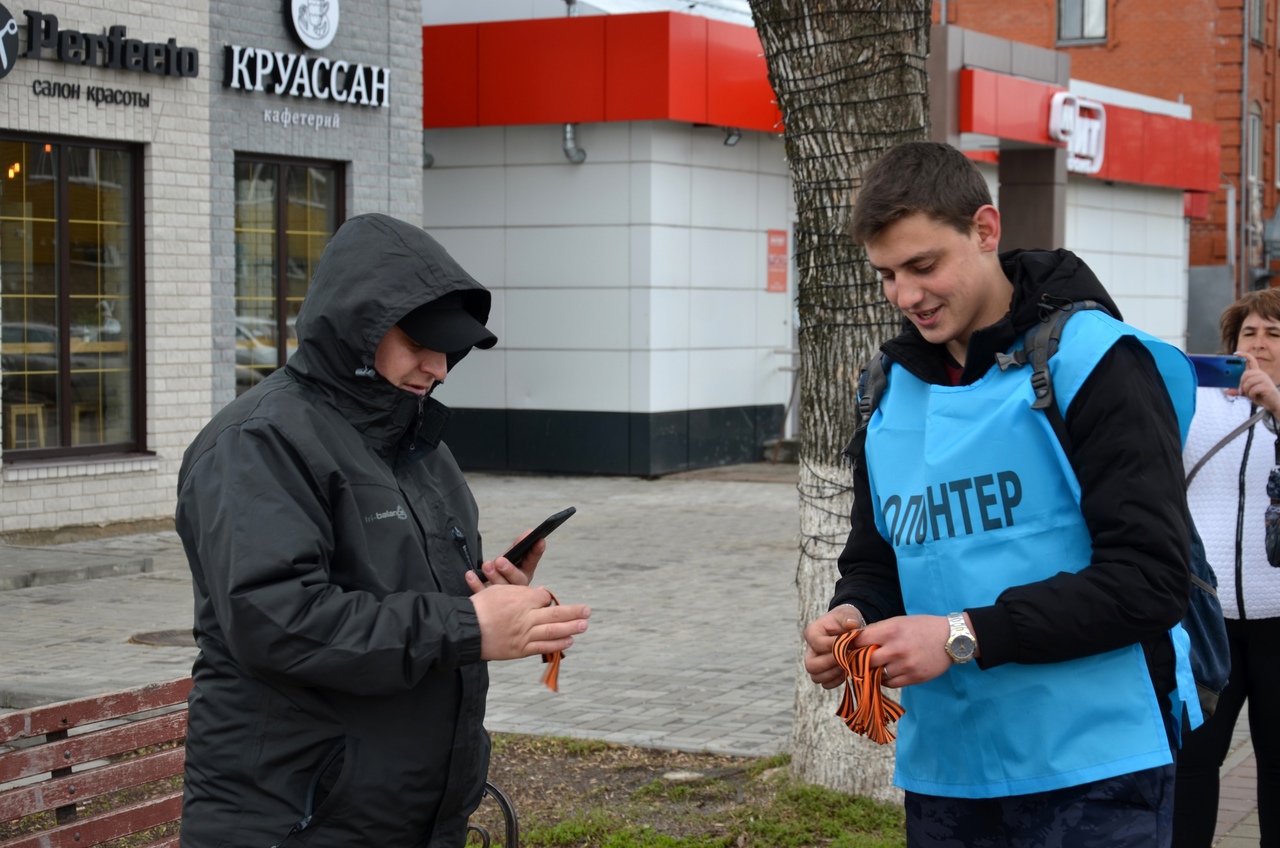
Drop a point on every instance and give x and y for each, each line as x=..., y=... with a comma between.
x=445, y=325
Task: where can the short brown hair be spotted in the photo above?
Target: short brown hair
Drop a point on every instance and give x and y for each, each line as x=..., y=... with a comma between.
x=919, y=176
x=1266, y=303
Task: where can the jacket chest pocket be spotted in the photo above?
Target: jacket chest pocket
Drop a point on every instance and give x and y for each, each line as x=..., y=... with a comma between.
x=452, y=552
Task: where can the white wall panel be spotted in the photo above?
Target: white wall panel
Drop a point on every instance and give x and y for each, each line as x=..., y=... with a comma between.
x=1093, y=230
x=574, y=319
x=1128, y=277
x=709, y=150
x=1129, y=233
x=773, y=319
x=543, y=144
x=723, y=199
x=556, y=257
x=463, y=197
x=660, y=256
x=573, y=195
x=659, y=381
x=466, y=146
x=479, y=382
x=722, y=377
x=661, y=141
x=772, y=156
x=1165, y=276
x=572, y=380
x=725, y=258
x=479, y=250
x=773, y=203
x=660, y=194
x=722, y=318
x=660, y=319
x=772, y=384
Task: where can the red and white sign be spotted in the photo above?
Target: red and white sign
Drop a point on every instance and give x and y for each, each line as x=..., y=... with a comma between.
x=776, y=273
x=1082, y=124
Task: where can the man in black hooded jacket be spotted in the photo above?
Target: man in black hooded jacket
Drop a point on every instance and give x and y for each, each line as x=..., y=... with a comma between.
x=339, y=691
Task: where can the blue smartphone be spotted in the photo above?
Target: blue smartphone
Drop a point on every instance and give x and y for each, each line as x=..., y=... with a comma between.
x=1220, y=372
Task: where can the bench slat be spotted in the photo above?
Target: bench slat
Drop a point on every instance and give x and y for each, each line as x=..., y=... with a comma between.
x=38, y=721
x=90, y=783
x=105, y=826
x=92, y=746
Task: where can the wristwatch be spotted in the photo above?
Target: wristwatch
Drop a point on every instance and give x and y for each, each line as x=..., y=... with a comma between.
x=960, y=644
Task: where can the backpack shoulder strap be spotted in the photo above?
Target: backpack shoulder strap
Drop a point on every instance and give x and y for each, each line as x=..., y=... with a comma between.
x=872, y=381
x=1040, y=343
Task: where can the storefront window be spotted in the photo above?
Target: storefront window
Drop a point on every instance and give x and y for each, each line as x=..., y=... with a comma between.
x=69, y=280
x=286, y=212
x=1082, y=20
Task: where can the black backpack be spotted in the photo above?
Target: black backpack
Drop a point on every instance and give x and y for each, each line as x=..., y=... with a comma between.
x=1204, y=623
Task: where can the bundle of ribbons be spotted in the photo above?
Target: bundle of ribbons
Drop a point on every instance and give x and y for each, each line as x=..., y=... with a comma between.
x=864, y=707
x=551, y=677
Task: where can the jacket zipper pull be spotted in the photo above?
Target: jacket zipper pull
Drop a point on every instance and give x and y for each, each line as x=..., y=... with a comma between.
x=417, y=424
x=460, y=539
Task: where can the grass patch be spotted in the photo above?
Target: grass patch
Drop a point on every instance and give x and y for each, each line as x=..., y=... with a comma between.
x=571, y=794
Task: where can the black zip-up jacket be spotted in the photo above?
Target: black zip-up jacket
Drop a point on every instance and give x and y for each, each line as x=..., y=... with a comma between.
x=339, y=694
x=1124, y=446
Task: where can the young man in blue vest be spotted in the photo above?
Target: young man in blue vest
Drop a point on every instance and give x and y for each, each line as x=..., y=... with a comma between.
x=1022, y=571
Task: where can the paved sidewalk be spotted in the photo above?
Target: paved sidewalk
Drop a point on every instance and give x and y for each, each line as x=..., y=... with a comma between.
x=693, y=643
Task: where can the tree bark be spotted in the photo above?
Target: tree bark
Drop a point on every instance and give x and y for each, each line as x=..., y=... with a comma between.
x=851, y=83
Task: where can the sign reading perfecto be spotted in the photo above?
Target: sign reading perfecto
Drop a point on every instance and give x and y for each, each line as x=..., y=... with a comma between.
x=110, y=50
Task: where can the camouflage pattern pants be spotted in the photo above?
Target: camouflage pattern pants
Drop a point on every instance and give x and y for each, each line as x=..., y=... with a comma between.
x=1130, y=811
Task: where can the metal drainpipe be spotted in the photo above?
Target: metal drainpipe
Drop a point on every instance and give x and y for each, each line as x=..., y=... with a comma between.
x=1242, y=281
x=572, y=151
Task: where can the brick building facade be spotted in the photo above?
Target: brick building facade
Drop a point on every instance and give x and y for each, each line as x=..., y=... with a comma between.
x=1189, y=51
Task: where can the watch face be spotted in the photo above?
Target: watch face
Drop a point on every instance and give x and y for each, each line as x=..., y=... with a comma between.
x=960, y=646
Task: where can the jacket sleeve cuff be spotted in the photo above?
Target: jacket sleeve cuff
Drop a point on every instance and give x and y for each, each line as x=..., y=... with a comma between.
x=468, y=630
x=993, y=628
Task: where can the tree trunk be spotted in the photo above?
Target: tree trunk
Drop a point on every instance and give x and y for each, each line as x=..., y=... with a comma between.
x=850, y=80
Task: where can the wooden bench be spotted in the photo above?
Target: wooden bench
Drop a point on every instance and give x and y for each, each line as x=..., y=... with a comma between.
x=124, y=748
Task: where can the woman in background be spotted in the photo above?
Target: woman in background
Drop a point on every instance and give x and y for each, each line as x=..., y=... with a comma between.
x=1228, y=498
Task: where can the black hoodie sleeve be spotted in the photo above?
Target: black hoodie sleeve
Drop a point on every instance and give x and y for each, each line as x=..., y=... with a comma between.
x=868, y=566
x=1126, y=452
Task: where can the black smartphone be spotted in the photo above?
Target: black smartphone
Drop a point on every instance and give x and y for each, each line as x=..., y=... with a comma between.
x=1221, y=372
x=520, y=548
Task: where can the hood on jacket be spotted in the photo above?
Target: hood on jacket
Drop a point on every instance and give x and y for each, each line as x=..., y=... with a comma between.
x=1040, y=278
x=374, y=271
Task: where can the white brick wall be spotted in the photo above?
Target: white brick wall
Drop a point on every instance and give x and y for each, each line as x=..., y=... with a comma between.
x=174, y=136
x=188, y=138
x=634, y=282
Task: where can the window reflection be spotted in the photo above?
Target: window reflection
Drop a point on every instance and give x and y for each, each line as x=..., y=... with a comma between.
x=66, y=351
x=279, y=239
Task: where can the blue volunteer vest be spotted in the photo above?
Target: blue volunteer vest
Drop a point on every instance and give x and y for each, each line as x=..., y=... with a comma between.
x=973, y=491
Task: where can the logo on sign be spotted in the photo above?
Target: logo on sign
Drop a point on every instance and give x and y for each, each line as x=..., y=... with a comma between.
x=1082, y=124
x=8, y=41
x=314, y=22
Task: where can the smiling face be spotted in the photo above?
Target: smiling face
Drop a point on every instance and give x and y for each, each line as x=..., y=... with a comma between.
x=408, y=365
x=947, y=283
x=1260, y=337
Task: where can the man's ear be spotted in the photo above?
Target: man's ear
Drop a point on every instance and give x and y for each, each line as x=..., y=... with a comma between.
x=986, y=223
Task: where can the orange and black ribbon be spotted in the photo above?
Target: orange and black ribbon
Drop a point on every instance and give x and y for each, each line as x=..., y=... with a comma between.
x=864, y=708
x=551, y=677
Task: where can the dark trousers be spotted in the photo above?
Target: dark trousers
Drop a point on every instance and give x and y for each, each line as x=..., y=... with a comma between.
x=1255, y=676
x=1130, y=811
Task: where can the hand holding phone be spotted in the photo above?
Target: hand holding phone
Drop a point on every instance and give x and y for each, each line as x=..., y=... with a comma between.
x=521, y=548
x=1221, y=372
